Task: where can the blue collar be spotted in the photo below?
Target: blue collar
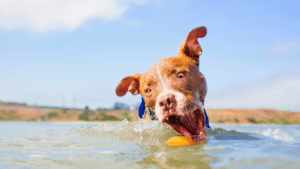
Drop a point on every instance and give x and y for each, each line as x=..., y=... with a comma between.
x=142, y=109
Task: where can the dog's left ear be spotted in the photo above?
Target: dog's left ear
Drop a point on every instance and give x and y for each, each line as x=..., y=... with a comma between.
x=190, y=47
x=129, y=84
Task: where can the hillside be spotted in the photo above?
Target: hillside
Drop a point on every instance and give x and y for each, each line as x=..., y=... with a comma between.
x=22, y=112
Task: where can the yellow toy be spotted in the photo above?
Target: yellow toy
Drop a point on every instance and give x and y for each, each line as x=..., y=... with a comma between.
x=180, y=141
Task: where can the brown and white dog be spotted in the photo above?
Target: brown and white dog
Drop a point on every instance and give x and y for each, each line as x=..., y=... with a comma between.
x=174, y=88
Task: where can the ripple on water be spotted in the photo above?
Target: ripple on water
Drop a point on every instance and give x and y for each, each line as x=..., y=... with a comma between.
x=141, y=144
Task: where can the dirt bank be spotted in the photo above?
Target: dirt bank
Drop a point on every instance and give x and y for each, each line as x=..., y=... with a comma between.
x=19, y=112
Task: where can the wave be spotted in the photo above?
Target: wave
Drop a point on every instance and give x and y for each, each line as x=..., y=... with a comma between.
x=156, y=133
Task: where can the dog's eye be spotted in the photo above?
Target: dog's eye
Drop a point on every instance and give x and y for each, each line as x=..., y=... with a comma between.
x=180, y=75
x=148, y=90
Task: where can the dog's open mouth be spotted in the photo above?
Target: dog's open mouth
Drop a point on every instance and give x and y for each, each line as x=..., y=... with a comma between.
x=191, y=124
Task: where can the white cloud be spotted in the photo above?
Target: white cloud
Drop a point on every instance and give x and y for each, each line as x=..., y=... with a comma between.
x=286, y=49
x=49, y=15
x=279, y=91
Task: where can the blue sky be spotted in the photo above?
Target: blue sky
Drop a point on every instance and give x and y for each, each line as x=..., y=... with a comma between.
x=74, y=52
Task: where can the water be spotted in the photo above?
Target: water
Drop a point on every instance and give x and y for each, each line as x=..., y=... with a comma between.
x=141, y=145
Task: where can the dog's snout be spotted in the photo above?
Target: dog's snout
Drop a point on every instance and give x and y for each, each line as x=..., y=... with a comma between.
x=167, y=102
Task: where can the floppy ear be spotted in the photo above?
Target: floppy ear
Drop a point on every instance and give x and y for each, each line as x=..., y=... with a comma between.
x=190, y=47
x=129, y=84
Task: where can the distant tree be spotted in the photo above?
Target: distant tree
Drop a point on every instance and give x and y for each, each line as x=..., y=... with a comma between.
x=119, y=106
x=85, y=114
x=101, y=108
x=52, y=114
x=64, y=111
x=136, y=106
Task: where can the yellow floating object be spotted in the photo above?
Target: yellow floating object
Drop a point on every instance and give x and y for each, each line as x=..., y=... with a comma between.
x=180, y=141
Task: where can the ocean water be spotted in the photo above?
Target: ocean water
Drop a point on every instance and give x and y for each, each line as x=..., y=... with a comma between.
x=141, y=144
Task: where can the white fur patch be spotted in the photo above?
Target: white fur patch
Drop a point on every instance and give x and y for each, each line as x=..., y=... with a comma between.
x=180, y=98
x=160, y=77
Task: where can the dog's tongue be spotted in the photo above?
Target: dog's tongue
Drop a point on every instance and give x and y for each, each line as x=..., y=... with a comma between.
x=191, y=124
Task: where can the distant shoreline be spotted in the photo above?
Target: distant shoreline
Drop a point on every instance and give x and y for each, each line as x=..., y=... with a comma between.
x=22, y=112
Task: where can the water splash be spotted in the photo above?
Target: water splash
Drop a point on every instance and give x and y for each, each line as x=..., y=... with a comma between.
x=150, y=132
x=279, y=134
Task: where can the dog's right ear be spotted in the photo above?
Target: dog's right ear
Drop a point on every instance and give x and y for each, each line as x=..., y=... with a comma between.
x=190, y=47
x=129, y=84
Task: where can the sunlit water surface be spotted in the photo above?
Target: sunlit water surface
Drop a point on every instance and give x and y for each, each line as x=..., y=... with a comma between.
x=142, y=145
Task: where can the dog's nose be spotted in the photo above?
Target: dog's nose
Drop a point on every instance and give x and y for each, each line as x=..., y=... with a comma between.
x=167, y=102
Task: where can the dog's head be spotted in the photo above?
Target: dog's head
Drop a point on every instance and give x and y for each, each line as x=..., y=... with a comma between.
x=174, y=88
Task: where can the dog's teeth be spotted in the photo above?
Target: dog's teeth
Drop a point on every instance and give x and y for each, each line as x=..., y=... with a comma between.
x=167, y=118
